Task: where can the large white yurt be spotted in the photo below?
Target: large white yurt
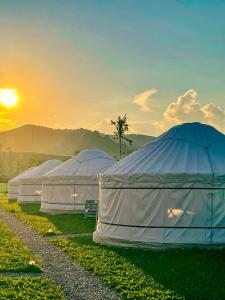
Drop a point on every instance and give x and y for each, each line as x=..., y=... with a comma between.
x=30, y=185
x=170, y=193
x=13, y=184
x=66, y=188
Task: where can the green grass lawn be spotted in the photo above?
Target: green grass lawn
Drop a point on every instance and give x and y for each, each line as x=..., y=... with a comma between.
x=144, y=274
x=13, y=255
x=42, y=222
x=24, y=288
x=132, y=273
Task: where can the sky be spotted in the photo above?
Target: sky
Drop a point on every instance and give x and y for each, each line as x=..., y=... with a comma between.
x=81, y=63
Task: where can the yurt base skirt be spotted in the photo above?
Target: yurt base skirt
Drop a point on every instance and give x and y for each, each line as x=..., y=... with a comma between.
x=12, y=196
x=55, y=208
x=12, y=191
x=159, y=238
x=29, y=199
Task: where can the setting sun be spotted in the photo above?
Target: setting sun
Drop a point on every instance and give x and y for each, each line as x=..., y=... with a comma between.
x=8, y=97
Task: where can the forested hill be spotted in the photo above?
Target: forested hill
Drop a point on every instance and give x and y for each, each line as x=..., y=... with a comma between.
x=38, y=139
x=13, y=163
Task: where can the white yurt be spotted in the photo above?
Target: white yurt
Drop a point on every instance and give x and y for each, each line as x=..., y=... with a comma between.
x=170, y=193
x=66, y=188
x=30, y=185
x=13, y=184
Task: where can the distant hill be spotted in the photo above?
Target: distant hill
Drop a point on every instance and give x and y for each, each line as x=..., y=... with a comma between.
x=13, y=163
x=140, y=140
x=39, y=139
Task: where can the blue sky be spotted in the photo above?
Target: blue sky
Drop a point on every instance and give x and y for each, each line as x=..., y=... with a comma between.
x=94, y=57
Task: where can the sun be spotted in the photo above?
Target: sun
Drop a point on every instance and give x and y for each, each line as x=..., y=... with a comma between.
x=8, y=97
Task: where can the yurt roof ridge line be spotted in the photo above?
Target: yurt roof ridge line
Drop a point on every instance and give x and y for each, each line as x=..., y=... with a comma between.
x=211, y=166
x=80, y=162
x=214, y=142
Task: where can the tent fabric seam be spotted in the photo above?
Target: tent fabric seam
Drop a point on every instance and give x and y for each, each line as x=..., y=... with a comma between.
x=169, y=227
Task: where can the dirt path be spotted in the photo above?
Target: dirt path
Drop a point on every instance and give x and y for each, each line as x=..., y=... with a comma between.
x=75, y=282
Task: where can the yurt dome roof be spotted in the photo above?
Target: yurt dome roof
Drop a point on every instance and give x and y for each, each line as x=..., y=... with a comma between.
x=21, y=175
x=42, y=169
x=190, y=148
x=87, y=163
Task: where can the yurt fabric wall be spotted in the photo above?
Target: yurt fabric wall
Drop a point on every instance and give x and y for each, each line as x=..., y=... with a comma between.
x=13, y=185
x=30, y=186
x=68, y=186
x=169, y=193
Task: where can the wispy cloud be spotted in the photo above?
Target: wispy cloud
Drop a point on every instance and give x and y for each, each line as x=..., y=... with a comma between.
x=143, y=100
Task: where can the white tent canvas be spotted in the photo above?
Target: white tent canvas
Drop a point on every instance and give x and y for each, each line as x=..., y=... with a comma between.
x=170, y=193
x=13, y=184
x=30, y=185
x=66, y=188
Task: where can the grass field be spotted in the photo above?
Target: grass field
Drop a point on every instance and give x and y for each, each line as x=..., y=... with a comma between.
x=13, y=255
x=48, y=224
x=14, y=258
x=3, y=188
x=134, y=274
x=25, y=288
x=141, y=274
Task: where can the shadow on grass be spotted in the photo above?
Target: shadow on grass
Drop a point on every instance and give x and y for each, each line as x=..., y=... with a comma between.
x=193, y=273
x=189, y=274
x=26, y=269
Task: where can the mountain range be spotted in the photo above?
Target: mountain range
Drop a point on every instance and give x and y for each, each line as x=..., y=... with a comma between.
x=30, y=145
x=39, y=139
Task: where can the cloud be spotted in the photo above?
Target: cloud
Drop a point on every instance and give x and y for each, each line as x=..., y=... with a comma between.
x=142, y=100
x=187, y=109
x=7, y=123
x=214, y=115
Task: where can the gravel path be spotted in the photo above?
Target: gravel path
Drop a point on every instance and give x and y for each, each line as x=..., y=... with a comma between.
x=75, y=282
